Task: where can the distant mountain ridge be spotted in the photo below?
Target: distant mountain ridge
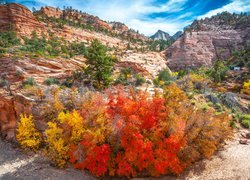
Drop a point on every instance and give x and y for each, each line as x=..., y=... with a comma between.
x=161, y=35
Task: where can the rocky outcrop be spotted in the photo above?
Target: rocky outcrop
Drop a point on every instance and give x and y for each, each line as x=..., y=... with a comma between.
x=195, y=49
x=209, y=39
x=51, y=12
x=40, y=69
x=10, y=109
x=235, y=102
x=17, y=17
x=7, y=117
x=152, y=62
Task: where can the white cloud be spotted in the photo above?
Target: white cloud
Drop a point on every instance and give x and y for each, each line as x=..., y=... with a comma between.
x=236, y=6
x=135, y=13
x=150, y=27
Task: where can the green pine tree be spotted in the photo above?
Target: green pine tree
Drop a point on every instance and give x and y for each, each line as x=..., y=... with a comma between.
x=99, y=65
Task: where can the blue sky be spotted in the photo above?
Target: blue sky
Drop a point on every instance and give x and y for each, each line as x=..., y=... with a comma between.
x=148, y=16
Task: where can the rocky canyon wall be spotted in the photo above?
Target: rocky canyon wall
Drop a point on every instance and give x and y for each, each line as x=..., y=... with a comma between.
x=195, y=49
x=19, y=18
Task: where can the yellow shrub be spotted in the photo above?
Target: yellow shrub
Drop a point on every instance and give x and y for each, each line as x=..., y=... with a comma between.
x=175, y=74
x=27, y=134
x=73, y=124
x=57, y=148
x=246, y=88
x=57, y=103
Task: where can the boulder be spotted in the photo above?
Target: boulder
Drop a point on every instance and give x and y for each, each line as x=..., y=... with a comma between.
x=10, y=109
x=233, y=101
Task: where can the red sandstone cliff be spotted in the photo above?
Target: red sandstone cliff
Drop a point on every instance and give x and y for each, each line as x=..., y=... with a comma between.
x=19, y=18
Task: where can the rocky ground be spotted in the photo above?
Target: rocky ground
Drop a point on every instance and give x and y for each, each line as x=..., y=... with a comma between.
x=15, y=164
x=231, y=162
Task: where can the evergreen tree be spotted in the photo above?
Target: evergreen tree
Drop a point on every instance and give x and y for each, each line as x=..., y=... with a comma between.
x=99, y=65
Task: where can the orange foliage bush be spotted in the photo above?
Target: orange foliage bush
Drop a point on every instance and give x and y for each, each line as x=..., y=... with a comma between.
x=132, y=133
x=136, y=138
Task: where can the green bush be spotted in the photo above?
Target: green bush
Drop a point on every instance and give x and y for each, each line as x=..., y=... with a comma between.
x=164, y=78
x=140, y=80
x=35, y=44
x=30, y=82
x=77, y=49
x=3, y=82
x=67, y=83
x=124, y=76
x=205, y=107
x=245, y=123
x=245, y=120
x=218, y=107
x=51, y=81
x=218, y=71
x=8, y=39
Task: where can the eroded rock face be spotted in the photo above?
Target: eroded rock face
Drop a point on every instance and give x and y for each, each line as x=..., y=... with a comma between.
x=20, y=18
x=8, y=118
x=152, y=62
x=10, y=110
x=40, y=69
x=195, y=49
x=51, y=12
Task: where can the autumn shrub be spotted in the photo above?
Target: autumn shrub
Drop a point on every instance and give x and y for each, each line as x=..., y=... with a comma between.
x=193, y=82
x=246, y=88
x=54, y=104
x=130, y=133
x=57, y=147
x=27, y=135
x=204, y=130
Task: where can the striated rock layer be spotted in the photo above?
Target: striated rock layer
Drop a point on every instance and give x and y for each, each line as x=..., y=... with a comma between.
x=195, y=49
x=19, y=18
x=40, y=69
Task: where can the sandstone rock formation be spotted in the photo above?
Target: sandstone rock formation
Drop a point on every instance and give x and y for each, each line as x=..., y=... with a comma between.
x=195, y=49
x=210, y=39
x=95, y=22
x=20, y=18
x=10, y=109
x=40, y=69
x=51, y=12
x=153, y=62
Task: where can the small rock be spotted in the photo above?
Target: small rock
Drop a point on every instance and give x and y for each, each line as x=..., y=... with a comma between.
x=247, y=135
x=243, y=141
